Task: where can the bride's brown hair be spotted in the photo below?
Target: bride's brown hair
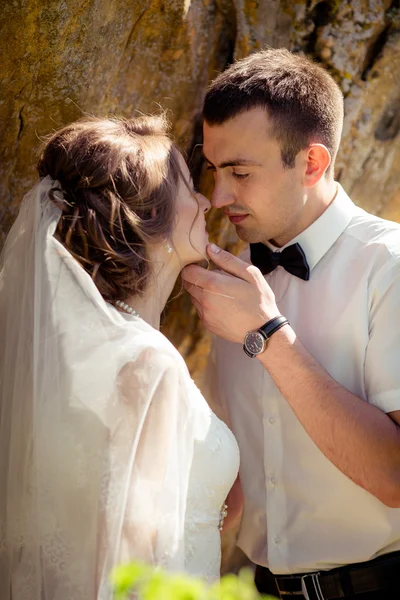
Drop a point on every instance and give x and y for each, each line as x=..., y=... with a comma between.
x=119, y=179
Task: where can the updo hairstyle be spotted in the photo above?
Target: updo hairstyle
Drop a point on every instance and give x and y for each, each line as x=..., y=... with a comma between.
x=119, y=179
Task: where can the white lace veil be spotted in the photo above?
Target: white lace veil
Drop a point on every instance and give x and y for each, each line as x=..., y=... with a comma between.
x=96, y=432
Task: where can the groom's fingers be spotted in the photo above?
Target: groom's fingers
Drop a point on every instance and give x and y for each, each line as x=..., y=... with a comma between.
x=195, y=291
x=226, y=281
x=228, y=265
x=195, y=276
x=232, y=264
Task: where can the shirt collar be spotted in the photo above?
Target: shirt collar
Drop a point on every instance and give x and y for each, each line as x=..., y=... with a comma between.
x=320, y=236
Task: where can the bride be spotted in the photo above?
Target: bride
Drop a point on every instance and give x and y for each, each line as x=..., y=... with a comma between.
x=108, y=451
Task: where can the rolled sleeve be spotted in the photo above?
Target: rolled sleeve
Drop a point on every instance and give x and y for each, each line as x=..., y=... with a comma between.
x=382, y=359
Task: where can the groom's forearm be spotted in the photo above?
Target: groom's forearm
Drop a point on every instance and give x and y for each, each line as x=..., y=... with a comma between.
x=358, y=438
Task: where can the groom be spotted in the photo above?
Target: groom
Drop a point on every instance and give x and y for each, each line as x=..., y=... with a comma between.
x=305, y=361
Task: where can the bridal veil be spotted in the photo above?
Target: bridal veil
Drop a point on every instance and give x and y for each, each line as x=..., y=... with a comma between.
x=96, y=432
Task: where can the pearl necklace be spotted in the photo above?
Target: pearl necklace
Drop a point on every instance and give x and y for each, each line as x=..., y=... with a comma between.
x=127, y=308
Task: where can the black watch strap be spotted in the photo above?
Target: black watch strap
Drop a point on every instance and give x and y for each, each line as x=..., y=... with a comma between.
x=273, y=325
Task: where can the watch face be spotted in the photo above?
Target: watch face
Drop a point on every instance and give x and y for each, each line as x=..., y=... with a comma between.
x=254, y=342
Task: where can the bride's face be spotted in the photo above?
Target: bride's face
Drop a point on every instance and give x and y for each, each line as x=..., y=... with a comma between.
x=190, y=237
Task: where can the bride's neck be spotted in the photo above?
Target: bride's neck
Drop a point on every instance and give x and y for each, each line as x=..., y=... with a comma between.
x=161, y=283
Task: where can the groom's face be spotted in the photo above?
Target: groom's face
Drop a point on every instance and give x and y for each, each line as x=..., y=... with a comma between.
x=262, y=199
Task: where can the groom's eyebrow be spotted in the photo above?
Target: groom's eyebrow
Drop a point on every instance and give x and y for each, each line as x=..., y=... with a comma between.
x=236, y=162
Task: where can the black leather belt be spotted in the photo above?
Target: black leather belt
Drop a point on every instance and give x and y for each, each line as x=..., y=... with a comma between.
x=382, y=573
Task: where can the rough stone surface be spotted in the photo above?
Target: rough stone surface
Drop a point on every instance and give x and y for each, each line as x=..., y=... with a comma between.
x=61, y=59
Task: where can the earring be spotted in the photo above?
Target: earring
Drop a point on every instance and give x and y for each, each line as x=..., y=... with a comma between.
x=168, y=248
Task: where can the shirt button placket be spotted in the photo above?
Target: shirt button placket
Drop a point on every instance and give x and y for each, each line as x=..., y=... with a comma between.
x=272, y=465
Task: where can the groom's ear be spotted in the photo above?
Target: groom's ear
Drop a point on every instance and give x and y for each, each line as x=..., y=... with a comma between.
x=318, y=159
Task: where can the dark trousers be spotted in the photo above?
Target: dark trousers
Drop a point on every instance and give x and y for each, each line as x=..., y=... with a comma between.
x=265, y=583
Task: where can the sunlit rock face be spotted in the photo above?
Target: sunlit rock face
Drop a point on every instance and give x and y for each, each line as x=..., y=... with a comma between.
x=61, y=60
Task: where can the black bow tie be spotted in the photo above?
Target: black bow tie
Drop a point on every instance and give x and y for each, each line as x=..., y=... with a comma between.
x=291, y=258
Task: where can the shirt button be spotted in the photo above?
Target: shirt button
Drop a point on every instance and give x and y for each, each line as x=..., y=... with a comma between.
x=277, y=539
x=271, y=420
x=273, y=480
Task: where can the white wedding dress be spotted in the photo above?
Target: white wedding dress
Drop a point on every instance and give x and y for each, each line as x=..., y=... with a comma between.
x=213, y=471
x=215, y=467
x=108, y=451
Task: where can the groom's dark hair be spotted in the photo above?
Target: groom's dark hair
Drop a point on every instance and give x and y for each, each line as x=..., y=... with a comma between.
x=301, y=99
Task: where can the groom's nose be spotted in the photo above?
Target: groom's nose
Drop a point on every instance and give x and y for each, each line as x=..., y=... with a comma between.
x=221, y=196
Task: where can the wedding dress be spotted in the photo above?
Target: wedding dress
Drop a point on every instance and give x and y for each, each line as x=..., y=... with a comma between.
x=108, y=451
x=214, y=468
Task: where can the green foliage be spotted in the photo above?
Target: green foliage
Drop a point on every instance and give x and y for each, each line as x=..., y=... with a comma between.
x=155, y=584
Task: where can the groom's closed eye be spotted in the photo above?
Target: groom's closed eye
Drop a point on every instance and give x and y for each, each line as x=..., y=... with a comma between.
x=240, y=175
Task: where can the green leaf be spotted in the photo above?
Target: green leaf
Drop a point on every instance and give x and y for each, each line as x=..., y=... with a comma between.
x=156, y=584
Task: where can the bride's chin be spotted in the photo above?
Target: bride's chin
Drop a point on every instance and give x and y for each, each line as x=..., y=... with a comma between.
x=200, y=258
x=201, y=251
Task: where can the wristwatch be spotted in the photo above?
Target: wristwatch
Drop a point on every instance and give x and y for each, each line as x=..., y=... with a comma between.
x=255, y=342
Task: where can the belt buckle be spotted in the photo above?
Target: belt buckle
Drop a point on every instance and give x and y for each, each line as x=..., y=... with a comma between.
x=284, y=592
x=310, y=584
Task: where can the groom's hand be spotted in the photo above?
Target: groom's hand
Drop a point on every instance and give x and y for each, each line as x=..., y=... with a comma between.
x=232, y=301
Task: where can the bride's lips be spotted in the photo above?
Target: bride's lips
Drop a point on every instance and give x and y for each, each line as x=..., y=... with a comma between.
x=235, y=219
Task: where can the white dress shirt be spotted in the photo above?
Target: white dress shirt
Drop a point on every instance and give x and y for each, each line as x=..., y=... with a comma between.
x=301, y=513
